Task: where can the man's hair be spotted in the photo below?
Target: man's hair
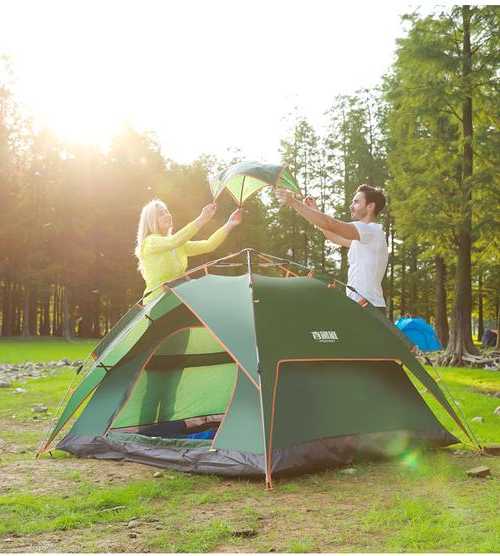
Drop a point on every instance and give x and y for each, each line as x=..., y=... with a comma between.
x=373, y=195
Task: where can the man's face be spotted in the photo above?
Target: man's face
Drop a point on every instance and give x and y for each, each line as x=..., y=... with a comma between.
x=359, y=208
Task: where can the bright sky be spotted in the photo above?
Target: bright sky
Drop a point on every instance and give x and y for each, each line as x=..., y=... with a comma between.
x=204, y=75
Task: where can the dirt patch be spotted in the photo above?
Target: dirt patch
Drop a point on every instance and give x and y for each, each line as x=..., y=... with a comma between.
x=98, y=538
x=48, y=476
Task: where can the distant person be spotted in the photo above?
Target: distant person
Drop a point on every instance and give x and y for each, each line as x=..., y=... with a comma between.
x=489, y=338
x=368, y=253
x=163, y=255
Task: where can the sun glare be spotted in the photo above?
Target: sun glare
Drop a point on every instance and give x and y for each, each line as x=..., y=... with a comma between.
x=200, y=82
x=79, y=107
x=90, y=124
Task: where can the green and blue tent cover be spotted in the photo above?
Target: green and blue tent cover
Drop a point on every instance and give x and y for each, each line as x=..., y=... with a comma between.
x=288, y=373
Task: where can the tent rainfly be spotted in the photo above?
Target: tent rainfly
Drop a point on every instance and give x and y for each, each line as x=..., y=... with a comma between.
x=250, y=375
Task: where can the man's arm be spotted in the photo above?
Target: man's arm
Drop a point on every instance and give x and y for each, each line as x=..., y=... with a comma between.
x=317, y=218
x=335, y=238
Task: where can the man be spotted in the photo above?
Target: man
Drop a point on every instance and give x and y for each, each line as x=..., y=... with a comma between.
x=368, y=254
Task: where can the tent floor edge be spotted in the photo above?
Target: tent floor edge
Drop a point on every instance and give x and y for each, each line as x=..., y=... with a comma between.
x=197, y=457
x=344, y=450
x=187, y=456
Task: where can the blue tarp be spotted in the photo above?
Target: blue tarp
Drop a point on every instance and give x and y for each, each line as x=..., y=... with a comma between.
x=420, y=333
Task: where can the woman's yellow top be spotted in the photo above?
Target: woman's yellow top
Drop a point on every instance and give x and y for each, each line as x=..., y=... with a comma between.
x=165, y=258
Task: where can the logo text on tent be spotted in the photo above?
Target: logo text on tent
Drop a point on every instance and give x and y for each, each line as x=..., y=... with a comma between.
x=324, y=336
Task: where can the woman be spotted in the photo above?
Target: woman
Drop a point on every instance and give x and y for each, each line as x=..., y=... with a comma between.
x=162, y=255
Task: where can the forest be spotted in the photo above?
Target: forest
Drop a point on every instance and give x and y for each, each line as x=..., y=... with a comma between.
x=427, y=135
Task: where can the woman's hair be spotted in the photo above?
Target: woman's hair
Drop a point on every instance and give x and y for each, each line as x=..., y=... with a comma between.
x=148, y=224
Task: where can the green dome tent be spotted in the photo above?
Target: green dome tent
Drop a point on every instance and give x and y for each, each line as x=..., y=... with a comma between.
x=288, y=373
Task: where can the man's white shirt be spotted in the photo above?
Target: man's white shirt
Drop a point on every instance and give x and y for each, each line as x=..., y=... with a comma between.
x=367, y=263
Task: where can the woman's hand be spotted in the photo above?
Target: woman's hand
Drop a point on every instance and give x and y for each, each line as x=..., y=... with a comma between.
x=234, y=220
x=284, y=196
x=207, y=213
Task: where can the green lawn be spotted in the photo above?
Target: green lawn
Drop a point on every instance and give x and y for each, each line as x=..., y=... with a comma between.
x=419, y=502
x=19, y=350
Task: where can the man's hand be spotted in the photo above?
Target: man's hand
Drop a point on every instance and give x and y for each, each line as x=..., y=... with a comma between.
x=311, y=202
x=284, y=196
x=234, y=220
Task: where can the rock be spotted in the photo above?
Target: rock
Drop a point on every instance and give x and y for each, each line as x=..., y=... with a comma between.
x=39, y=408
x=479, y=472
x=245, y=533
x=349, y=471
x=497, y=411
x=132, y=535
x=132, y=524
x=5, y=384
x=477, y=419
x=20, y=390
x=157, y=475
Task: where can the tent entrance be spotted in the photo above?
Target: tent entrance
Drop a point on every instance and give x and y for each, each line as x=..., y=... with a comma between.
x=183, y=391
x=196, y=427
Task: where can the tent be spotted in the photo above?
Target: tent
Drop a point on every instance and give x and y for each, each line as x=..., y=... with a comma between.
x=420, y=333
x=250, y=375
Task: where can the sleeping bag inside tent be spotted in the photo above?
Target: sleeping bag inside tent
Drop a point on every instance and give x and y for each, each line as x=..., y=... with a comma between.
x=250, y=375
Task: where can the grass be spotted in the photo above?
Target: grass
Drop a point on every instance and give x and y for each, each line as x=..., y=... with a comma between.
x=47, y=390
x=27, y=513
x=419, y=502
x=42, y=349
x=471, y=393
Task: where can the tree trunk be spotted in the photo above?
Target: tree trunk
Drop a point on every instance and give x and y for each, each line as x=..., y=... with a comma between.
x=402, y=301
x=412, y=286
x=7, y=308
x=26, y=312
x=497, y=347
x=442, y=328
x=45, y=313
x=34, y=311
x=57, y=311
x=461, y=337
x=391, y=282
x=480, y=316
x=96, y=312
x=66, y=317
